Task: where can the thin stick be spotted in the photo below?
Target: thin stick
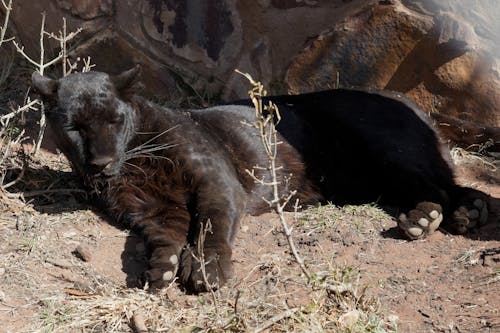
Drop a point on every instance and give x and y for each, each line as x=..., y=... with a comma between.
x=15, y=181
x=87, y=65
x=41, y=131
x=204, y=228
x=3, y=29
x=279, y=317
x=20, y=50
x=41, y=67
x=29, y=106
x=63, y=48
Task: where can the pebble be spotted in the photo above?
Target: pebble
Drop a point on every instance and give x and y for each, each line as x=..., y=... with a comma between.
x=83, y=253
x=70, y=234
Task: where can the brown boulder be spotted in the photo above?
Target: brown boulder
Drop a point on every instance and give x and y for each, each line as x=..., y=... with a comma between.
x=438, y=60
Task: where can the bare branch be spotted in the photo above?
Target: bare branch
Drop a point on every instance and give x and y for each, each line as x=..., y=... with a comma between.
x=63, y=47
x=266, y=118
x=204, y=229
x=87, y=65
x=63, y=38
x=41, y=130
x=42, y=47
x=3, y=29
x=20, y=49
x=265, y=124
x=279, y=317
x=30, y=105
x=72, y=66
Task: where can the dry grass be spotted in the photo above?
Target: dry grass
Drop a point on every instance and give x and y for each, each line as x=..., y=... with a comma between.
x=238, y=309
x=461, y=156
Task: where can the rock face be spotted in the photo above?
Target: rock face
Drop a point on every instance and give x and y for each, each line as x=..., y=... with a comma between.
x=437, y=60
x=443, y=53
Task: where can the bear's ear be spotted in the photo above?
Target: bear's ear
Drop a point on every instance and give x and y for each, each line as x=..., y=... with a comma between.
x=126, y=79
x=44, y=85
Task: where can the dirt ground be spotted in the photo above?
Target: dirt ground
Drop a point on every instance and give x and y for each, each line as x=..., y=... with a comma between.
x=66, y=268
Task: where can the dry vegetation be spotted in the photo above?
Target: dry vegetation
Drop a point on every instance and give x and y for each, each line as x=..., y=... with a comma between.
x=46, y=287
x=323, y=269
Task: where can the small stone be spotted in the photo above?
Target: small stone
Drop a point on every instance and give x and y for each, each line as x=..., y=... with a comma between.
x=69, y=234
x=393, y=318
x=139, y=322
x=83, y=253
x=59, y=263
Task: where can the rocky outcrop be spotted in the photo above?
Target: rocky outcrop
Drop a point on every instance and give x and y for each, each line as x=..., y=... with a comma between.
x=443, y=53
x=438, y=60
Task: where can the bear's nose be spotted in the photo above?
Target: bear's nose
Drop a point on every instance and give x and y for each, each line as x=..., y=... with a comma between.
x=99, y=163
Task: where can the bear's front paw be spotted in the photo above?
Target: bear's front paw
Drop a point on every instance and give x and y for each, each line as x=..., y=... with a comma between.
x=163, y=264
x=472, y=211
x=209, y=274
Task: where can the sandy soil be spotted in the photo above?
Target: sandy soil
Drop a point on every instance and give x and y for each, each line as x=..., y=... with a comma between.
x=445, y=283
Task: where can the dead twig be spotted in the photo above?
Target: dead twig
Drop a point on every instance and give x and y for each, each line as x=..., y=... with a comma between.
x=266, y=117
x=3, y=29
x=76, y=292
x=30, y=105
x=63, y=38
x=204, y=229
x=279, y=317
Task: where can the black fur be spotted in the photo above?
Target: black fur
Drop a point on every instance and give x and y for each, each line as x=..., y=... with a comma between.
x=344, y=146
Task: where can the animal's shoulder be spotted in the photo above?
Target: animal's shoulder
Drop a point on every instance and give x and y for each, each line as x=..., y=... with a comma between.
x=222, y=114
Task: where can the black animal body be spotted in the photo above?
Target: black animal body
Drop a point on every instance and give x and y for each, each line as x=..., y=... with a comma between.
x=165, y=172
